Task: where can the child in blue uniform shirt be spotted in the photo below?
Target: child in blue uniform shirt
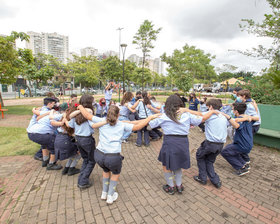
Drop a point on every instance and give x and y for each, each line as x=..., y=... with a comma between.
x=143, y=108
x=242, y=141
x=43, y=133
x=203, y=108
x=216, y=134
x=155, y=133
x=101, y=108
x=108, y=150
x=125, y=109
x=174, y=154
x=85, y=142
x=65, y=146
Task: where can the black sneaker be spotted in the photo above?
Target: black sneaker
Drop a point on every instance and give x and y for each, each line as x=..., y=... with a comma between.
x=218, y=185
x=242, y=171
x=180, y=189
x=138, y=145
x=73, y=171
x=154, y=139
x=168, y=189
x=38, y=158
x=54, y=166
x=82, y=187
x=45, y=163
x=147, y=145
x=197, y=178
x=65, y=170
x=247, y=166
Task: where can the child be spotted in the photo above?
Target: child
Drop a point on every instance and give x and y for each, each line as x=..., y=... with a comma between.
x=174, y=154
x=108, y=151
x=125, y=108
x=155, y=133
x=101, y=108
x=216, y=134
x=85, y=142
x=193, y=102
x=109, y=91
x=142, y=107
x=65, y=146
x=243, y=139
x=43, y=133
x=203, y=108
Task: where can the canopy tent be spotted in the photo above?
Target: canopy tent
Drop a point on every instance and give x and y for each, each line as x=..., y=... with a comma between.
x=233, y=81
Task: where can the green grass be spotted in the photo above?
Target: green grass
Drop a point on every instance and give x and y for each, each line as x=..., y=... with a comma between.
x=14, y=141
x=19, y=110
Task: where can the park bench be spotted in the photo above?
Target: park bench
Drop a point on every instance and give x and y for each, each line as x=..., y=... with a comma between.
x=2, y=110
x=269, y=133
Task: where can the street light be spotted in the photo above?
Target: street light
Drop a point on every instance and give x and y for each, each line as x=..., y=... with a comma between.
x=123, y=46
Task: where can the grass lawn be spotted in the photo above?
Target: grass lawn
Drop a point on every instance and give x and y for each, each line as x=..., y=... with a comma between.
x=19, y=110
x=14, y=141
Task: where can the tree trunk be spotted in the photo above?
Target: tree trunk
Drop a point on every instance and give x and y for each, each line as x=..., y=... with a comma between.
x=1, y=100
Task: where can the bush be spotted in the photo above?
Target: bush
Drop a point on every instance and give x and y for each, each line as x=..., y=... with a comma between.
x=263, y=91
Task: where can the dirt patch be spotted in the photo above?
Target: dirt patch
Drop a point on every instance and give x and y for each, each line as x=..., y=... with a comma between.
x=12, y=120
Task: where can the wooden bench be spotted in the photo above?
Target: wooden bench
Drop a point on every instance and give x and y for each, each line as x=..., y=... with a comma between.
x=2, y=110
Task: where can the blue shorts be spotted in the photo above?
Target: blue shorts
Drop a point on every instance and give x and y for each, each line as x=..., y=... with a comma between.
x=45, y=140
x=109, y=162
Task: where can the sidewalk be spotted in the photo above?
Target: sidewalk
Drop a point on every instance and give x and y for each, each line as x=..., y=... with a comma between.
x=30, y=194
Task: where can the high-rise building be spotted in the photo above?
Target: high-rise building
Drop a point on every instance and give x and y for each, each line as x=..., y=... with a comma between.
x=49, y=43
x=89, y=51
x=136, y=59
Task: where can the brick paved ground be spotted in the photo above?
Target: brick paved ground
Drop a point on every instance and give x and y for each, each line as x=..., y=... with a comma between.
x=30, y=194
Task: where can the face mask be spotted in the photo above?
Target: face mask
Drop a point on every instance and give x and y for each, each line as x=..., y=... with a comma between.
x=238, y=100
x=234, y=95
x=103, y=103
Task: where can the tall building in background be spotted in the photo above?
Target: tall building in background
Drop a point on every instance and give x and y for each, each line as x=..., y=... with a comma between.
x=89, y=51
x=49, y=43
x=136, y=59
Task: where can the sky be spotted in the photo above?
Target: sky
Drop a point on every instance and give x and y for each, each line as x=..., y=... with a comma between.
x=210, y=25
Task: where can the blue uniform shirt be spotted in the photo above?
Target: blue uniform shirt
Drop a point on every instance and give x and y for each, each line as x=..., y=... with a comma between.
x=83, y=129
x=43, y=126
x=162, y=109
x=252, y=112
x=101, y=109
x=203, y=108
x=170, y=127
x=124, y=111
x=141, y=110
x=193, y=104
x=243, y=137
x=110, y=136
x=108, y=94
x=216, y=128
x=154, y=105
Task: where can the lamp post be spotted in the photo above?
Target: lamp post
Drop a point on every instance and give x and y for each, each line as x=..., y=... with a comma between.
x=123, y=46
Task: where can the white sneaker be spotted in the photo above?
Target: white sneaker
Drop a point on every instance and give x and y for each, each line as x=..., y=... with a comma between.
x=124, y=141
x=104, y=195
x=112, y=198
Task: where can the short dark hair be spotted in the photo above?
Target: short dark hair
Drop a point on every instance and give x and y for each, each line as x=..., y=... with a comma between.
x=138, y=93
x=73, y=95
x=240, y=107
x=48, y=100
x=215, y=103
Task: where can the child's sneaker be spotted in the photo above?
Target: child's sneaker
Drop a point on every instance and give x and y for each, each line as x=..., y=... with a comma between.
x=242, y=171
x=180, y=189
x=124, y=141
x=247, y=165
x=112, y=198
x=104, y=195
x=168, y=189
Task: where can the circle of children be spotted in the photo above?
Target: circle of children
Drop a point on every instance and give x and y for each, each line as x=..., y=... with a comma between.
x=68, y=134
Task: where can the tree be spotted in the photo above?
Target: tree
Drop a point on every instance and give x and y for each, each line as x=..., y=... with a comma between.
x=110, y=69
x=269, y=27
x=86, y=70
x=144, y=38
x=189, y=64
x=11, y=64
x=142, y=80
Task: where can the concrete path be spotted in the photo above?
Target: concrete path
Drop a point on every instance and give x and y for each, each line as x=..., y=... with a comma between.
x=31, y=194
